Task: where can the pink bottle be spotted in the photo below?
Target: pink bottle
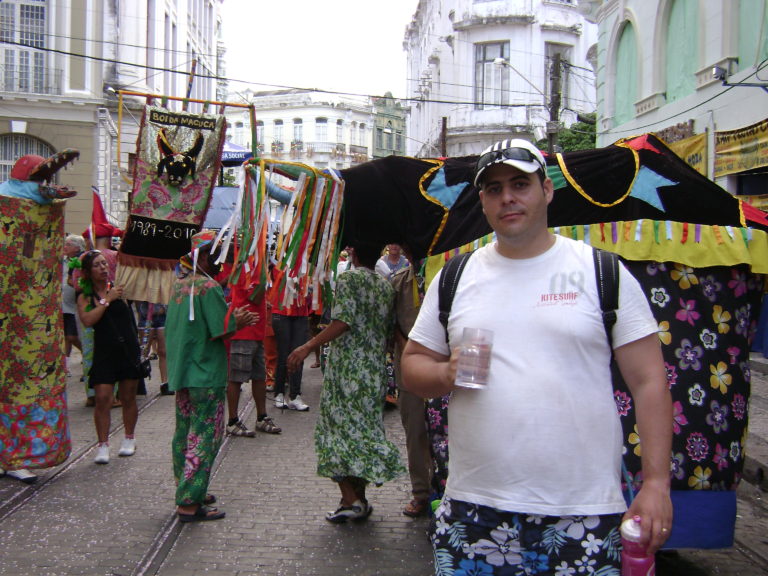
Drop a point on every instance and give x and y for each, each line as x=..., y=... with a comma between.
x=635, y=561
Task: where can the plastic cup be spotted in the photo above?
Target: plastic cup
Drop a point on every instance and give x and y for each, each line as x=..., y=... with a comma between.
x=474, y=362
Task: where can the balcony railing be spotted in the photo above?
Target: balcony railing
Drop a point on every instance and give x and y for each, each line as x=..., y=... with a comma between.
x=30, y=80
x=320, y=147
x=297, y=148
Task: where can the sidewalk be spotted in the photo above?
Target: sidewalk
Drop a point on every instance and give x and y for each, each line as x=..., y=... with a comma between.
x=119, y=519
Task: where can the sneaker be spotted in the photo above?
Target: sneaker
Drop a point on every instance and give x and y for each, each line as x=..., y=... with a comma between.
x=267, y=425
x=102, y=454
x=280, y=401
x=128, y=447
x=237, y=428
x=270, y=386
x=297, y=404
x=22, y=474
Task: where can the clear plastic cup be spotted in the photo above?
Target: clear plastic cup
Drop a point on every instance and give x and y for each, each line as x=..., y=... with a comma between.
x=474, y=362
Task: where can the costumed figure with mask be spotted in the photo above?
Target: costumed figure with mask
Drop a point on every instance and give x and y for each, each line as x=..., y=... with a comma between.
x=33, y=419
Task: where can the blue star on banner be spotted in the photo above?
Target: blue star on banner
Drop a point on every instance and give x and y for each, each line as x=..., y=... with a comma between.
x=440, y=191
x=646, y=187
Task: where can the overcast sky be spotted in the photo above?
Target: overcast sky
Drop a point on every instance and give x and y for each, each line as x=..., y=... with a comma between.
x=353, y=46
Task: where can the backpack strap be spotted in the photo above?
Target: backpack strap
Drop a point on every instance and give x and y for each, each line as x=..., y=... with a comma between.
x=449, y=281
x=607, y=277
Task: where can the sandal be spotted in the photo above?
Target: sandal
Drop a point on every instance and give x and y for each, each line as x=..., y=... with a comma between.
x=267, y=425
x=315, y=365
x=209, y=499
x=202, y=514
x=360, y=510
x=343, y=513
x=416, y=508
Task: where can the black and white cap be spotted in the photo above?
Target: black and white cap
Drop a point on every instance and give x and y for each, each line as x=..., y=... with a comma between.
x=515, y=152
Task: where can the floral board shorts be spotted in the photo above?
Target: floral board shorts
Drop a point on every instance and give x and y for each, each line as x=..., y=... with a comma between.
x=473, y=540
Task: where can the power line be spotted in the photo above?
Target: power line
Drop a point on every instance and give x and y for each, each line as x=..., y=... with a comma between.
x=125, y=45
x=279, y=86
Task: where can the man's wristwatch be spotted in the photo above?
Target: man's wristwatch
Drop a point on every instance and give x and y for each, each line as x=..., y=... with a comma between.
x=104, y=302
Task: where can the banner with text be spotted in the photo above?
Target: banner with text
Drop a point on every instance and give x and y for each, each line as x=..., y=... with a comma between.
x=742, y=149
x=177, y=163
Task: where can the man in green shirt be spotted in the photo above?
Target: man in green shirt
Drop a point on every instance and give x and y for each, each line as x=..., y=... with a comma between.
x=197, y=323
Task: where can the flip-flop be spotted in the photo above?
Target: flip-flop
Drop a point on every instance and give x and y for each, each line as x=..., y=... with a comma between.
x=202, y=514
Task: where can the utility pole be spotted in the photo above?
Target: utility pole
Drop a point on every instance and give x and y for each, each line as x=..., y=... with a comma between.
x=553, y=126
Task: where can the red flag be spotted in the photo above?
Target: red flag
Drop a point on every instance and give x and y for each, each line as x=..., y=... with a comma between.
x=99, y=223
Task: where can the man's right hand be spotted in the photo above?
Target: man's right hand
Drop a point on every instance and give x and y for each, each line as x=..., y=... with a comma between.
x=244, y=318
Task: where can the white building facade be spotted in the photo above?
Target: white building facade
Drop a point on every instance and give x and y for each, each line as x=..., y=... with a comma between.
x=482, y=70
x=655, y=74
x=314, y=128
x=62, y=60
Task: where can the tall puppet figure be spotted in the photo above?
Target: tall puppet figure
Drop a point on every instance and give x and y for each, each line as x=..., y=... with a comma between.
x=33, y=422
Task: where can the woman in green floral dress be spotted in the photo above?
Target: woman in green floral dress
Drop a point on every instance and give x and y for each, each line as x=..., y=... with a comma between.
x=351, y=446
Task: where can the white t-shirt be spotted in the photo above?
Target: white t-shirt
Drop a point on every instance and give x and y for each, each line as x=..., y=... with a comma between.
x=544, y=437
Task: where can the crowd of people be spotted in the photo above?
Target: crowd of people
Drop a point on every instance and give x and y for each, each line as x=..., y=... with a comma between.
x=226, y=345
x=552, y=412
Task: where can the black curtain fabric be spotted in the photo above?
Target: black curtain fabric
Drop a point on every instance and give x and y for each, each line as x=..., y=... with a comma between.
x=384, y=203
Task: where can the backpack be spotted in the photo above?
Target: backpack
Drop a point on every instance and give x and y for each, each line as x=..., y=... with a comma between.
x=606, y=274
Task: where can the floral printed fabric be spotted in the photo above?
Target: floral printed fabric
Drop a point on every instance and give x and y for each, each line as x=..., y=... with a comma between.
x=153, y=196
x=196, y=441
x=706, y=318
x=437, y=431
x=33, y=419
x=472, y=540
x=349, y=435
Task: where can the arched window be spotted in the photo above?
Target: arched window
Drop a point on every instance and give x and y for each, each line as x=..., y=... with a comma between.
x=361, y=134
x=682, y=57
x=277, y=135
x=353, y=133
x=753, y=33
x=339, y=130
x=625, y=89
x=14, y=146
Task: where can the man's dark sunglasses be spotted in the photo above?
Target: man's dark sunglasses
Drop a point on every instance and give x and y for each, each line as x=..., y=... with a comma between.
x=508, y=154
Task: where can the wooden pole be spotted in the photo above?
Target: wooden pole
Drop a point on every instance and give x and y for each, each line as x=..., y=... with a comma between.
x=554, y=103
x=192, y=70
x=444, y=137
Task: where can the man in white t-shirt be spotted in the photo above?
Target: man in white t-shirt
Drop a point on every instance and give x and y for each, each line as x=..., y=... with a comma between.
x=535, y=459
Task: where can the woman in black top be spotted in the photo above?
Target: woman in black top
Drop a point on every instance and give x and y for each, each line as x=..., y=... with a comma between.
x=115, y=354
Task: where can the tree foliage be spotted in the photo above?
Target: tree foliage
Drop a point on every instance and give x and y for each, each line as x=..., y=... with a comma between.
x=580, y=136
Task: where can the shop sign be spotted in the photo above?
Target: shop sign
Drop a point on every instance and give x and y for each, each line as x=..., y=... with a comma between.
x=694, y=151
x=741, y=150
